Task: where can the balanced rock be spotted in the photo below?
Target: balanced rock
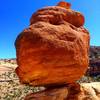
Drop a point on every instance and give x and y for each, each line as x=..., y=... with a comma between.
x=54, y=49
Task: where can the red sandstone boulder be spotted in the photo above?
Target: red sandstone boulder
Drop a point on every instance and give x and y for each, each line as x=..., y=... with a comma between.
x=54, y=49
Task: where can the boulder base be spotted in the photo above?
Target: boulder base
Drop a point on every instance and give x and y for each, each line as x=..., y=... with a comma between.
x=85, y=91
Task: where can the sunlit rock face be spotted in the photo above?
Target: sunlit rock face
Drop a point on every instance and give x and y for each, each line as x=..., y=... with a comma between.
x=53, y=50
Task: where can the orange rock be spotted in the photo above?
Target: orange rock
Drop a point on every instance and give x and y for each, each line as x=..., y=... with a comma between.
x=49, y=94
x=85, y=91
x=64, y=4
x=51, y=53
x=67, y=92
x=56, y=14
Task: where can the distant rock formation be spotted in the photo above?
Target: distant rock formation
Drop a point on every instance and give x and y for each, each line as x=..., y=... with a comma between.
x=94, y=52
x=54, y=49
x=10, y=60
x=94, y=64
x=94, y=69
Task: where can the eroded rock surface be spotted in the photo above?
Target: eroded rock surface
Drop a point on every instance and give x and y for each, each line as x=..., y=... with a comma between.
x=54, y=49
x=90, y=91
x=57, y=93
x=86, y=91
x=55, y=15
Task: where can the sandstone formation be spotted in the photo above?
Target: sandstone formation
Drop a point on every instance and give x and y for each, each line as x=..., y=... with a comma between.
x=54, y=49
x=55, y=15
x=57, y=93
x=64, y=5
x=94, y=67
x=94, y=52
x=94, y=63
x=86, y=91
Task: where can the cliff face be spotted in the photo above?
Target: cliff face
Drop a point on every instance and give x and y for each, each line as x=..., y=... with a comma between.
x=94, y=65
x=94, y=52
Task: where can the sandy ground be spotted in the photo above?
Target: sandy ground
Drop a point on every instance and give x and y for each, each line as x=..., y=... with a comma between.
x=10, y=87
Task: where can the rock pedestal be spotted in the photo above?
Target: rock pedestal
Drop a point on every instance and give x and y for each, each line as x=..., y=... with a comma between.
x=57, y=93
x=85, y=91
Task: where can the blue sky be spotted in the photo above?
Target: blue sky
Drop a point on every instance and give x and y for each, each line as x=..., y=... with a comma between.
x=15, y=15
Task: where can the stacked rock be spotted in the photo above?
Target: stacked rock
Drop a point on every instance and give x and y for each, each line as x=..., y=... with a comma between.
x=54, y=49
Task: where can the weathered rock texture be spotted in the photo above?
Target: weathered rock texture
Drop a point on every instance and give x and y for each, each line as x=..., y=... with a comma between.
x=54, y=49
x=57, y=93
x=94, y=52
x=94, y=68
x=86, y=91
x=90, y=91
x=55, y=15
x=94, y=63
x=64, y=5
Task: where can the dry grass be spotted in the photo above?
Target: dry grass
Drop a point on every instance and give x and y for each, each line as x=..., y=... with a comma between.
x=11, y=89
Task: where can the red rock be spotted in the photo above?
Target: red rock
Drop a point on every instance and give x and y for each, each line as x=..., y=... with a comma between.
x=56, y=93
x=50, y=94
x=52, y=51
x=64, y=4
x=55, y=14
x=85, y=91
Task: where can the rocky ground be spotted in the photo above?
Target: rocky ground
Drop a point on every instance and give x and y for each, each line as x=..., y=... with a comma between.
x=10, y=88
